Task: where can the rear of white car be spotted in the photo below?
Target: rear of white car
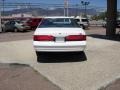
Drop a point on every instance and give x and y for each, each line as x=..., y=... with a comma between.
x=59, y=37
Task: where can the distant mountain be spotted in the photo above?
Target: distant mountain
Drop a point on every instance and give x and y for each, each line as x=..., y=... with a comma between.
x=50, y=12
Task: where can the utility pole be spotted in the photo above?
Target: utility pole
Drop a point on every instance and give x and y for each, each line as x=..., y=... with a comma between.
x=3, y=2
x=0, y=20
x=85, y=4
x=111, y=17
x=64, y=9
x=66, y=12
x=76, y=9
x=0, y=23
x=67, y=8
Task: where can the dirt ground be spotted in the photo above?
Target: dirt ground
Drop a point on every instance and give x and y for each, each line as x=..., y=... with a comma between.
x=22, y=77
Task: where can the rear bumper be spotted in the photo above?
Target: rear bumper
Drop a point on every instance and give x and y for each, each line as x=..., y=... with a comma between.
x=60, y=47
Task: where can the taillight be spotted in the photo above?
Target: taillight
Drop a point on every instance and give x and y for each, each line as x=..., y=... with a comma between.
x=43, y=38
x=76, y=38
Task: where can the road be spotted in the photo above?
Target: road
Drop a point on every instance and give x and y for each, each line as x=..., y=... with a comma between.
x=98, y=66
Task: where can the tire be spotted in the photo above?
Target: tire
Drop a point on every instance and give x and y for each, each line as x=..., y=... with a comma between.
x=24, y=31
x=82, y=26
x=15, y=30
x=3, y=30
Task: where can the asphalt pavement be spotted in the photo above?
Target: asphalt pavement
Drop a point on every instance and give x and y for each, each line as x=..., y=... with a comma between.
x=23, y=77
x=97, y=67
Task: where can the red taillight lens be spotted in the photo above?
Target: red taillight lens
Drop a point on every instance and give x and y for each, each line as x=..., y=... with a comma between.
x=76, y=38
x=43, y=38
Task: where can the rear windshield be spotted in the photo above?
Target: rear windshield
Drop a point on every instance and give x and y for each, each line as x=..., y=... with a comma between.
x=58, y=22
x=84, y=20
x=78, y=20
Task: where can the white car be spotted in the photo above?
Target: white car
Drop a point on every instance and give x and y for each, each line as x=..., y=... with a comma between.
x=59, y=34
x=84, y=22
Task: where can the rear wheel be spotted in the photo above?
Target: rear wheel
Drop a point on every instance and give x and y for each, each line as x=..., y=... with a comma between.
x=82, y=26
x=15, y=30
x=3, y=30
x=24, y=31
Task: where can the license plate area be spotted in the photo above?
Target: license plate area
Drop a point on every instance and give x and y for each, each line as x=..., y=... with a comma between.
x=59, y=39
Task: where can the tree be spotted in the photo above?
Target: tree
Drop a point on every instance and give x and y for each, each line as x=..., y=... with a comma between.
x=102, y=15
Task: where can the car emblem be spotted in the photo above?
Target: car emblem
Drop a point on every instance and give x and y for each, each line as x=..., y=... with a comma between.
x=59, y=33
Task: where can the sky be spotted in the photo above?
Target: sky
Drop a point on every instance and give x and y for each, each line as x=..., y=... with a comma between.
x=92, y=2
x=99, y=3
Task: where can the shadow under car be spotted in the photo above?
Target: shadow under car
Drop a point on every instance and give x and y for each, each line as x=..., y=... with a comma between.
x=60, y=57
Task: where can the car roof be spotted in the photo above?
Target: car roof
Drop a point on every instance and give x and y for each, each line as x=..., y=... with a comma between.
x=58, y=17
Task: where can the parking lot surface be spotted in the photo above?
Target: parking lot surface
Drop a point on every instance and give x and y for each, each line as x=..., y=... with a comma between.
x=98, y=66
x=22, y=77
x=12, y=36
